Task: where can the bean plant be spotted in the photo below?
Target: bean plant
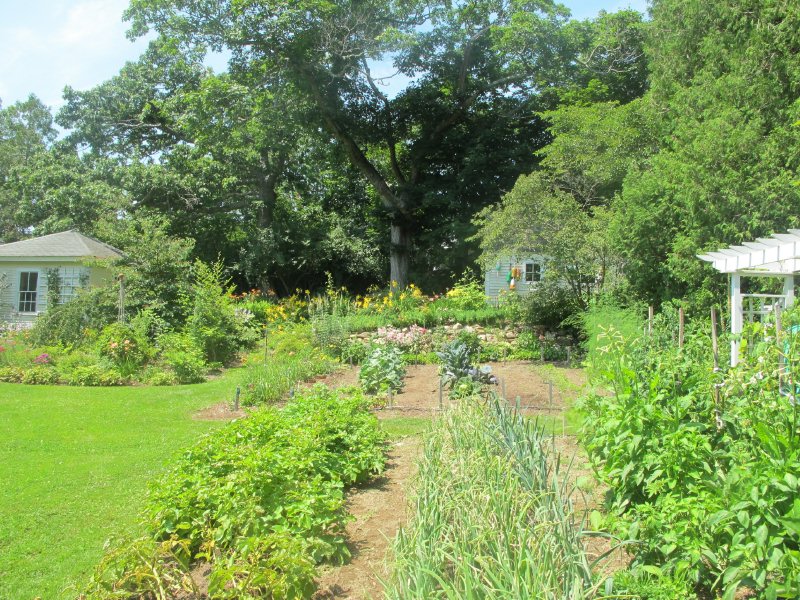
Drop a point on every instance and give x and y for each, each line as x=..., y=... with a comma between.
x=703, y=463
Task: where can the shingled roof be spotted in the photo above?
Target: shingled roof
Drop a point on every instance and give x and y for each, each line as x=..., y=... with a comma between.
x=67, y=244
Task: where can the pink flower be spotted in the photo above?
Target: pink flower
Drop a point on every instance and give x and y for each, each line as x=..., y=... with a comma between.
x=43, y=359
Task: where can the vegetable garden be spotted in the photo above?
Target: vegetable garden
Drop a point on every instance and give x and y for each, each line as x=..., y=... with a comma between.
x=696, y=465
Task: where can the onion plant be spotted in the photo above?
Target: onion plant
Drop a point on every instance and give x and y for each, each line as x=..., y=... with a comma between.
x=491, y=519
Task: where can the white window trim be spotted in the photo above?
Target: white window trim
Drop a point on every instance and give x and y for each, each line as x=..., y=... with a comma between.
x=17, y=290
x=533, y=272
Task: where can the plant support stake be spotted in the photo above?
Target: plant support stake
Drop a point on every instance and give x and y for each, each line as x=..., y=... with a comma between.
x=236, y=398
x=715, y=348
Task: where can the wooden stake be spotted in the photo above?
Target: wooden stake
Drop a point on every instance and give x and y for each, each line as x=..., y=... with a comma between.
x=714, y=340
x=715, y=348
x=778, y=338
x=440, y=393
x=681, y=320
x=650, y=316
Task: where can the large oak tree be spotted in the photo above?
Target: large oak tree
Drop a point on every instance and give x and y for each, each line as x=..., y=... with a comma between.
x=472, y=65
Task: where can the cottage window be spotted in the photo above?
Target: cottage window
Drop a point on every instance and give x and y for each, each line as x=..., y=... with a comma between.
x=28, y=290
x=533, y=272
x=71, y=279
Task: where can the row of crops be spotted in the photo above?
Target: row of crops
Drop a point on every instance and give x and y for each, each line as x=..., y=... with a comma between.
x=491, y=517
x=253, y=506
x=702, y=462
x=701, y=466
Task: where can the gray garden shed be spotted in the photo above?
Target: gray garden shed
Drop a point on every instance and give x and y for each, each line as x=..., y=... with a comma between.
x=29, y=268
x=529, y=273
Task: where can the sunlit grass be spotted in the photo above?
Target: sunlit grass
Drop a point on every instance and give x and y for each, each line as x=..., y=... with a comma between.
x=74, y=464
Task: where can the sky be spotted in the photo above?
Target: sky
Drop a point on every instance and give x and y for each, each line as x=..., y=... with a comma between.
x=46, y=45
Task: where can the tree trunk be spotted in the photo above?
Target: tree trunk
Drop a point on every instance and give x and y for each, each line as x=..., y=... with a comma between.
x=399, y=255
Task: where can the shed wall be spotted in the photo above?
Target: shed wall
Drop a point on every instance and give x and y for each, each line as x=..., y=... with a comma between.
x=496, y=277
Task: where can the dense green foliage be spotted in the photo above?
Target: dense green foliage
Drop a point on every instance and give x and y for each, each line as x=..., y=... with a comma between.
x=490, y=516
x=383, y=370
x=702, y=464
x=724, y=80
x=261, y=499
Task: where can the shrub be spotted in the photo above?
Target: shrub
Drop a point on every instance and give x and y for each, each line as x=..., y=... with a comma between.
x=70, y=361
x=180, y=353
x=76, y=321
x=213, y=323
x=11, y=374
x=120, y=343
x=156, y=376
x=95, y=375
x=39, y=375
x=549, y=305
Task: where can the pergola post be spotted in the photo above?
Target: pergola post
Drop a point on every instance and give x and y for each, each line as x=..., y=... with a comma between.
x=776, y=256
x=788, y=290
x=737, y=316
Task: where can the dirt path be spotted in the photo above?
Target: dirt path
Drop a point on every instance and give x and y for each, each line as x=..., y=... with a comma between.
x=379, y=509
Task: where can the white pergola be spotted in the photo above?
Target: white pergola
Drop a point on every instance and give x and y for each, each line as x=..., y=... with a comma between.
x=776, y=256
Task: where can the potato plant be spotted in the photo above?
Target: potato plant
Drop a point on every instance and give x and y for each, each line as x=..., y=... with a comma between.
x=261, y=499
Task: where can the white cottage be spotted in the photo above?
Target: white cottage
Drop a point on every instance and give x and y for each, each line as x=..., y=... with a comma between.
x=526, y=274
x=29, y=268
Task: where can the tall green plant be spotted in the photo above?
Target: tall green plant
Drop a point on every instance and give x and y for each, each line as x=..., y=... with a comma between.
x=212, y=320
x=702, y=463
x=491, y=519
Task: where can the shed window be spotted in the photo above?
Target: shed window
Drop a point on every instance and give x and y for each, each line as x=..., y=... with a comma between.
x=28, y=289
x=533, y=272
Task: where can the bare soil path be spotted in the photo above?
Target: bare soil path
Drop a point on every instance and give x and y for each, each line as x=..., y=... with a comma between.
x=378, y=509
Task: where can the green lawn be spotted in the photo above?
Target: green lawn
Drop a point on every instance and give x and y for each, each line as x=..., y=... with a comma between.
x=74, y=464
x=400, y=427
